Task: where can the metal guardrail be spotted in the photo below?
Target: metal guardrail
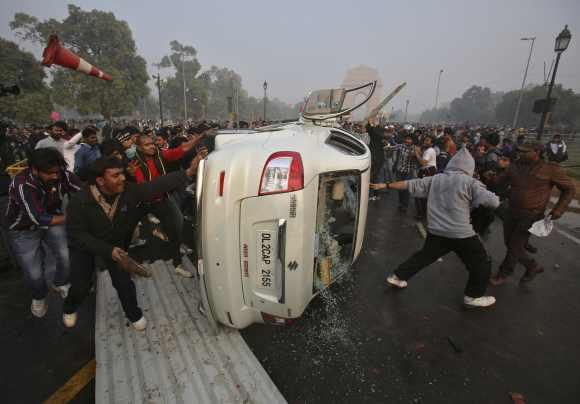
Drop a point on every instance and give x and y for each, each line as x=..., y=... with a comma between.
x=177, y=359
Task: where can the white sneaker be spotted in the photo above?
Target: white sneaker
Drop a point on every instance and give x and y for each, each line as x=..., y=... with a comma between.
x=39, y=308
x=483, y=301
x=153, y=219
x=180, y=270
x=138, y=243
x=395, y=281
x=69, y=320
x=140, y=324
x=62, y=290
x=185, y=250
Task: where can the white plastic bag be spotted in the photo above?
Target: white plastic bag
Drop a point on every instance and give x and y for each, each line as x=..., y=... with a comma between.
x=542, y=227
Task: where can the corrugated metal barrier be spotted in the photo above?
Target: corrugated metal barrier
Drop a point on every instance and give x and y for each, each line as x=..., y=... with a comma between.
x=178, y=359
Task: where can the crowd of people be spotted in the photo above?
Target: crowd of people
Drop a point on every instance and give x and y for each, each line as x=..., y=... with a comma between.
x=85, y=196
x=461, y=178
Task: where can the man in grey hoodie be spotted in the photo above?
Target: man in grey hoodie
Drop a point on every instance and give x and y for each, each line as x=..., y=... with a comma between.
x=450, y=197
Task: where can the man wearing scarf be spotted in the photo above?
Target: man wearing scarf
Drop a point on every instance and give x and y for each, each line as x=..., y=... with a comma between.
x=100, y=221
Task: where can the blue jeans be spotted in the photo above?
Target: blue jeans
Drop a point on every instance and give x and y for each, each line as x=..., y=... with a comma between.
x=33, y=250
x=388, y=170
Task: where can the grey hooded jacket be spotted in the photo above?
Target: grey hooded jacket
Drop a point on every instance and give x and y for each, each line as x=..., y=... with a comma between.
x=451, y=195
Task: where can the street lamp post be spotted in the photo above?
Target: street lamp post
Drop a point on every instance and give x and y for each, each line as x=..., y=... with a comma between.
x=406, y=108
x=158, y=77
x=265, y=96
x=437, y=91
x=184, y=91
x=562, y=42
x=517, y=113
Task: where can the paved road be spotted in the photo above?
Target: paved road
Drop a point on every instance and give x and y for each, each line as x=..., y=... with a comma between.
x=361, y=342
x=365, y=343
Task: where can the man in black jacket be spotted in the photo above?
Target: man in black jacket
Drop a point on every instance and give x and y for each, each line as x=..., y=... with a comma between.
x=377, y=136
x=100, y=222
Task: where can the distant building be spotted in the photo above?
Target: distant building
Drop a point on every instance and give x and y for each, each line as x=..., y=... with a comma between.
x=355, y=77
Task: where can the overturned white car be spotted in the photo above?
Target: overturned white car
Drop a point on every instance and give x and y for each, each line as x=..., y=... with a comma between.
x=281, y=213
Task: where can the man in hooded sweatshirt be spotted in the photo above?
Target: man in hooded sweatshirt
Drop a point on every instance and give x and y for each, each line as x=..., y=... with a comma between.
x=450, y=197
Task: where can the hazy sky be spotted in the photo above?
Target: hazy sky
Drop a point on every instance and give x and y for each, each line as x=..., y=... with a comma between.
x=301, y=45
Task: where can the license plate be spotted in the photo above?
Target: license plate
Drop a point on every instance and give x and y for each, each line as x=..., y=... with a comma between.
x=265, y=259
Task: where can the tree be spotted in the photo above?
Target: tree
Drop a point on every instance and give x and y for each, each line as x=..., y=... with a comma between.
x=566, y=111
x=476, y=105
x=435, y=115
x=102, y=40
x=185, y=64
x=33, y=105
x=218, y=85
x=208, y=92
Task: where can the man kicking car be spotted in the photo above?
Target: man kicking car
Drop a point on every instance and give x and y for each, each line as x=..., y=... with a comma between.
x=450, y=197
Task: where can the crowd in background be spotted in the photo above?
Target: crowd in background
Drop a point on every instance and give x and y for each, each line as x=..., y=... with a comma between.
x=461, y=178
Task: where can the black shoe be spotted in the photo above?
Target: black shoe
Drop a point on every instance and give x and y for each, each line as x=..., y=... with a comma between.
x=531, y=249
x=531, y=274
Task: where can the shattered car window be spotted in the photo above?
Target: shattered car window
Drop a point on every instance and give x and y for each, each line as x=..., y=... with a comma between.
x=336, y=222
x=325, y=101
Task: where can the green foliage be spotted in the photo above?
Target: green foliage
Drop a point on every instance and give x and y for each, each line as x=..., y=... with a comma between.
x=184, y=63
x=207, y=93
x=480, y=105
x=566, y=111
x=475, y=105
x=435, y=115
x=102, y=40
x=33, y=105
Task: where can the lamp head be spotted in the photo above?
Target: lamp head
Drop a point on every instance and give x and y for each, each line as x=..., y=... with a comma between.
x=563, y=40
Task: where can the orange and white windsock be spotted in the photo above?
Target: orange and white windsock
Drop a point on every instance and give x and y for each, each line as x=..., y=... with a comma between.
x=54, y=53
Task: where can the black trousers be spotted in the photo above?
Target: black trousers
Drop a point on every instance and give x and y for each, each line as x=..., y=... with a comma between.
x=471, y=252
x=377, y=161
x=171, y=220
x=81, y=277
x=516, y=236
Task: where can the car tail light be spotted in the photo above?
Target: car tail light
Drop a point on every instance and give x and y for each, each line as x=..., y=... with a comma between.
x=274, y=320
x=221, y=183
x=283, y=172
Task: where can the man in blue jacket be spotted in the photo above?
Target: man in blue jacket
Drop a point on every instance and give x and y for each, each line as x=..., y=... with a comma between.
x=87, y=153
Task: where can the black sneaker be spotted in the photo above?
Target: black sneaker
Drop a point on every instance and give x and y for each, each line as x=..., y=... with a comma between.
x=532, y=273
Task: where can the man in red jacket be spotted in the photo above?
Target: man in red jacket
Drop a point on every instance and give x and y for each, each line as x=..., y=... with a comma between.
x=151, y=163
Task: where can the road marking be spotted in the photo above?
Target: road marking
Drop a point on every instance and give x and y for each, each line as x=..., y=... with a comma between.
x=568, y=236
x=74, y=385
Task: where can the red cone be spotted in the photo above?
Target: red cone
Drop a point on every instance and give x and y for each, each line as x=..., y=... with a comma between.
x=55, y=53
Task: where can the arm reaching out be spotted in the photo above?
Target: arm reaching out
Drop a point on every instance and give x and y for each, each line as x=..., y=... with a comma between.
x=399, y=185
